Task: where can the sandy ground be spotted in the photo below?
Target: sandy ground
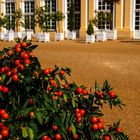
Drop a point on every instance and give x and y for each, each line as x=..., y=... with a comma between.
x=115, y=61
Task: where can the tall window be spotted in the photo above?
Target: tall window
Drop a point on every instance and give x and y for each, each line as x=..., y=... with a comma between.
x=29, y=14
x=51, y=4
x=105, y=7
x=77, y=13
x=10, y=9
x=137, y=15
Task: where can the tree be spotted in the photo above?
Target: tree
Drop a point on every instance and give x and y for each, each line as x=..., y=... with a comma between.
x=71, y=16
x=42, y=18
x=101, y=19
x=3, y=21
x=58, y=16
x=17, y=16
x=90, y=29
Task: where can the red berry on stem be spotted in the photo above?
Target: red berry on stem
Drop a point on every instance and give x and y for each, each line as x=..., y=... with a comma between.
x=79, y=90
x=5, y=133
x=112, y=94
x=24, y=44
x=95, y=127
x=94, y=119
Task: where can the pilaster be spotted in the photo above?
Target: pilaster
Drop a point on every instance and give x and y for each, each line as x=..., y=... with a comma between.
x=60, y=7
x=84, y=18
x=37, y=5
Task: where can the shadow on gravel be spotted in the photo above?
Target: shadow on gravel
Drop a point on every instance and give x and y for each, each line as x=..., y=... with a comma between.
x=136, y=42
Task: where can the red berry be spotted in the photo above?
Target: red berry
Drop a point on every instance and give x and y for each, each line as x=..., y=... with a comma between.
x=70, y=129
x=79, y=119
x=15, y=77
x=1, y=87
x=95, y=126
x=58, y=137
x=107, y=137
x=50, y=70
x=32, y=114
x=5, y=116
x=79, y=90
x=49, y=88
x=30, y=101
x=78, y=115
x=8, y=73
x=24, y=44
x=5, y=89
x=25, y=56
x=1, y=138
x=82, y=111
x=100, y=125
x=17, y=62
x=6, y=68
x=85, y=92
x=94, y=119
x=17, y=48
x=76, y=136
x=77, y=110
x=10, y=52
x=2, y=111
x=59, y=93
x=119, y=129
x=45, y=137
x=15, y=70
x=62, y=72
x=5, y=133
x=112, y=94
x=46, y=71
x=2, y=70
x=21, y=67
x=55, y=127
x=27, y=61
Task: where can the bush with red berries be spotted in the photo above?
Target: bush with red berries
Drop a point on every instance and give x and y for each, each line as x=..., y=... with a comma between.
x=37, y=103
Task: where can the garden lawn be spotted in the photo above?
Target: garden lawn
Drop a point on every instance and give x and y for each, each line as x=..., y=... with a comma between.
x=115, y=61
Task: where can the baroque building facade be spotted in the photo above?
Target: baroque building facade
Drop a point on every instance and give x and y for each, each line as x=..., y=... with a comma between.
x=126, y=15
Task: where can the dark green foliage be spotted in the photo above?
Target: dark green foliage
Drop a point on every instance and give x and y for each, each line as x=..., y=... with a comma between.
x=101, y=18
x=41, y=98
x=42, y=17
x=71, y=16
x=90, y=29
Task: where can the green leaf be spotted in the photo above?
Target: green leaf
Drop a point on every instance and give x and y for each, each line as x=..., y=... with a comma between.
x=73, y=102
x=39, y=116
x=24, y=132
x=65, y=97
x=73, y=129
x=63, y=117
x=96, y=86
x=25, y=38
x=3, y=77
x=9, y=81
x=30, y=133
x=32, y=47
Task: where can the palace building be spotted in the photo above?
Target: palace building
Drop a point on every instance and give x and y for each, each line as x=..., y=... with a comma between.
x=126, y=15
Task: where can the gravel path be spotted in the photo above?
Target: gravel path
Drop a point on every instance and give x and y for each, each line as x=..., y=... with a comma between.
x=115, y=61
